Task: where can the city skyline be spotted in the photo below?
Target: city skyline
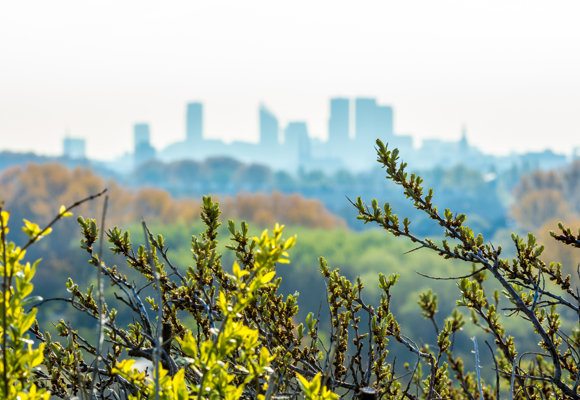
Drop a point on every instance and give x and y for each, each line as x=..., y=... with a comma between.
x=353, y=126
x=254, y=137
x=506, y=70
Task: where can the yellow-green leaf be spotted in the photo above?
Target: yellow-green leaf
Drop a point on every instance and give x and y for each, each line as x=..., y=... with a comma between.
x=63, y=212
x=268, y=277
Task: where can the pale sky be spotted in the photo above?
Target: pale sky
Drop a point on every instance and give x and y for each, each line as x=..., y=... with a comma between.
x=508, y=70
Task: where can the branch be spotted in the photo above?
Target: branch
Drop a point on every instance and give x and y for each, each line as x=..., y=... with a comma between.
x=59, y=217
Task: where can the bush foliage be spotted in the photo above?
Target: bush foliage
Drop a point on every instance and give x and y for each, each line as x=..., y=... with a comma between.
x=209, y=331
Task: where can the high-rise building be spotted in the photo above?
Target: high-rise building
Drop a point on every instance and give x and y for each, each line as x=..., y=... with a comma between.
x=384, y=122
x=141, y=134
x=296, y=140
x=268, y=128
x=143, y=151
x=365, y=118
x=74, y=148
x=339, y=121
x=194, y=122
x=373, y=121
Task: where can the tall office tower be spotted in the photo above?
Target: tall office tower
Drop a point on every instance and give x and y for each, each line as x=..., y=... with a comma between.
x=365, y=119
x=339, y=121
x=74, y=148
x=143, y=149
x=141, y=135
x=194, y=122
x=373, y=121
x=384, y=122
x=296, y=140
x=268, y=128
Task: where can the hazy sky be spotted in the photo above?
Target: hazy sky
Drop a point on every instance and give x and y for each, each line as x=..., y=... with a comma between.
x=508, y=70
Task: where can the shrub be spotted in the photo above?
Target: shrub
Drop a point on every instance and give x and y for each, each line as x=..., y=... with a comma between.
x=210, y=332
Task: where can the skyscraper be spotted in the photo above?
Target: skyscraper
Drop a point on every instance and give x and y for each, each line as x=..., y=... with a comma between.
x=296, y=140
x=339, y=121
x=74, y=148
x=268, y=128
x=194, y=122
x=384, y=122
x=365, y=119
x=373, y=121
x=143, y=149
x=141, y=135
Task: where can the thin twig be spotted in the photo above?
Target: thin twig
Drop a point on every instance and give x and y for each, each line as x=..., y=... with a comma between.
x=415, y=249
x=512, y=380
x=5, y=295
x=476, y=351
x=100, y=297
x=60, y=216
x=159, y=339
x=451, y=278
x=496, y=370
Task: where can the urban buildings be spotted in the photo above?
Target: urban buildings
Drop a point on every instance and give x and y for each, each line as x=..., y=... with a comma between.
x=372, y=121
x=353, y=127
x=143, y=151
x=74, y=148
x=291, y=147
x=269, y=129
x=339, y=122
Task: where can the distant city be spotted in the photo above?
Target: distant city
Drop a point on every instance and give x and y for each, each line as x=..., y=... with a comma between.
x=353, y=127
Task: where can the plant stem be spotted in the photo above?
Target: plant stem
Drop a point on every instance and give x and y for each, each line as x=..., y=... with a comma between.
x=5, y=295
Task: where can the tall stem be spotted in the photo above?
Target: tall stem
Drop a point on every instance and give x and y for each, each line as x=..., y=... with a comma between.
x=5, y=296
